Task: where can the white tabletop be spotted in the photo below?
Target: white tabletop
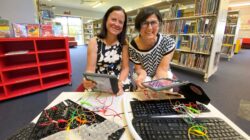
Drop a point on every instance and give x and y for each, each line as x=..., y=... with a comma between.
x=120, y=104
x=94, y=99
x=152, y=96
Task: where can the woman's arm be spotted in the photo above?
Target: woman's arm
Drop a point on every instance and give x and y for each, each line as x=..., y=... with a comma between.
x=91, y=62
x=162, y=70
x=125, y=68
x=125, y=64
x=141, y=76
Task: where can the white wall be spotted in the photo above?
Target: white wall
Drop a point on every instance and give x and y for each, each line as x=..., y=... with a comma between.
x=19, y=11
x=78, y=12
x=244, y=19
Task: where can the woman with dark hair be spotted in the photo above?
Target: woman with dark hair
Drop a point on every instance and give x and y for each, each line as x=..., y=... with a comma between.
x=108, y=51
x=151, y=52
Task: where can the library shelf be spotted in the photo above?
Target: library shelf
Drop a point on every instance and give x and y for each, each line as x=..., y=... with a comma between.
x=29, y=65
x=88, y=31
x=198, y=27
x=230, y=35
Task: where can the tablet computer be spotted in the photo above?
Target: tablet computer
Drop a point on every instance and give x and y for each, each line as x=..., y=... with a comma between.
x=104, y=82
x=163, y=84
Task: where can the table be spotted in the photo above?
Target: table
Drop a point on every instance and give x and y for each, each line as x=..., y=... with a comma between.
x=121, y=105
x=91, y=98
x=151, y=96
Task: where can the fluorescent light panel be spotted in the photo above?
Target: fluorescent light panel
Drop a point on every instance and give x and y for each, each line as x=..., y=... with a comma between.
x=239, y=4
x=97, y=4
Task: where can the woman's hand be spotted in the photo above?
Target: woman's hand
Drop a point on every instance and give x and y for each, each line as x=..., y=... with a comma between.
x=139, y=80
x=120, y=86
x=88, y=84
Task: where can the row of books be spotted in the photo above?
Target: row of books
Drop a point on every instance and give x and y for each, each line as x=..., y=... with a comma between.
x=190, y=60
x=177, y=11
x=4, y=28
x=29, y=30
x=200, y=44
x=230, y=29
x=200, y=25
x=226, y=50
x=228, y=39
x=206, y=7
x=37, y=30
x=201, y=7
x=232, y=19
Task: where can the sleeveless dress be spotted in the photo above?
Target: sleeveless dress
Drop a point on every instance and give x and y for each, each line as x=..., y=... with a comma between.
x=109, y=61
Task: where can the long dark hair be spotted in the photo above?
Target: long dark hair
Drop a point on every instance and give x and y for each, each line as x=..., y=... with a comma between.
x=122, y=36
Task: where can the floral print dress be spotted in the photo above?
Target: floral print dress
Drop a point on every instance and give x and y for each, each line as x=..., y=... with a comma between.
x=109, y=60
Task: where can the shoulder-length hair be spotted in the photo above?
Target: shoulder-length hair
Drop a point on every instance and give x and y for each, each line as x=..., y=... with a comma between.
x=122, y=36
x=144, y=14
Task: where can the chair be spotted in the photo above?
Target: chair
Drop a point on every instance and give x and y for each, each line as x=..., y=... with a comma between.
x=80, y=88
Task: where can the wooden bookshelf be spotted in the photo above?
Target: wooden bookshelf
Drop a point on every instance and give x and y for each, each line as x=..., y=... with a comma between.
x=230, y=35
x=29, y=65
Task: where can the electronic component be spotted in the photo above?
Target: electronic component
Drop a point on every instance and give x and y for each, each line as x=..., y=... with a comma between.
x=69, y=115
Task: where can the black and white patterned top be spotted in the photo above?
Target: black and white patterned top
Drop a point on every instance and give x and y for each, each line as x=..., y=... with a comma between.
x=150, y=59
x=109, y=60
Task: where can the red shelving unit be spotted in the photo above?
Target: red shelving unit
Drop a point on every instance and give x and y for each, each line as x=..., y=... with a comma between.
x=58, y=80
x=29, y=65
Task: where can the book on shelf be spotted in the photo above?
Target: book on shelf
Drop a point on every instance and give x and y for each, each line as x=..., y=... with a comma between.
x=205, y=7
x=46, y=30
x=33, y=30
x=17, y=52
x=176, y=57
x=4, y=28
x=19, y=30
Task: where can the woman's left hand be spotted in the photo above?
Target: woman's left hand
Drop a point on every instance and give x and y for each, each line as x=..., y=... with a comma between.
x=120, y=86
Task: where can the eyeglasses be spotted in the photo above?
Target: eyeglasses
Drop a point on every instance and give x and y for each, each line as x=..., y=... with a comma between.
x=153, y=23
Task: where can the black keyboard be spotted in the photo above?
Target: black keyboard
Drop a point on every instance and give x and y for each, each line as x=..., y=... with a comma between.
x=177, y=129
x=161, y=107
x=67, y=110
x=23, y=133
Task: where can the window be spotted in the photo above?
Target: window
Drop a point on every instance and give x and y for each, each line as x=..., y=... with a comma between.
x=72, y=26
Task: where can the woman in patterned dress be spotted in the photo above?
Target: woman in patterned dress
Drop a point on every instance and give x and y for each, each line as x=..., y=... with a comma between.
x=150, y=51
x=108, y=51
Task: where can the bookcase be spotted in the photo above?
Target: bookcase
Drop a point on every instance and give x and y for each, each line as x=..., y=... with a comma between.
x=131, y=32
x=88, y=31
x=97, y=26
x=230, y=35
x=29, y=65
x=198, y=27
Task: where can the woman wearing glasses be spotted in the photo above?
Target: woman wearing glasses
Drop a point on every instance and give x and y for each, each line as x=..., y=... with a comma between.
x=150, y=51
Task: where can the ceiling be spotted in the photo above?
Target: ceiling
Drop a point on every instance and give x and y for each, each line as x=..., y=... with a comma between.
x=128, y=5
x=88, y=4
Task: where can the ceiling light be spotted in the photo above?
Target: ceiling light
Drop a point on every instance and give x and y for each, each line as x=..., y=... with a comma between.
x=239, y=4
x=97, y=4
